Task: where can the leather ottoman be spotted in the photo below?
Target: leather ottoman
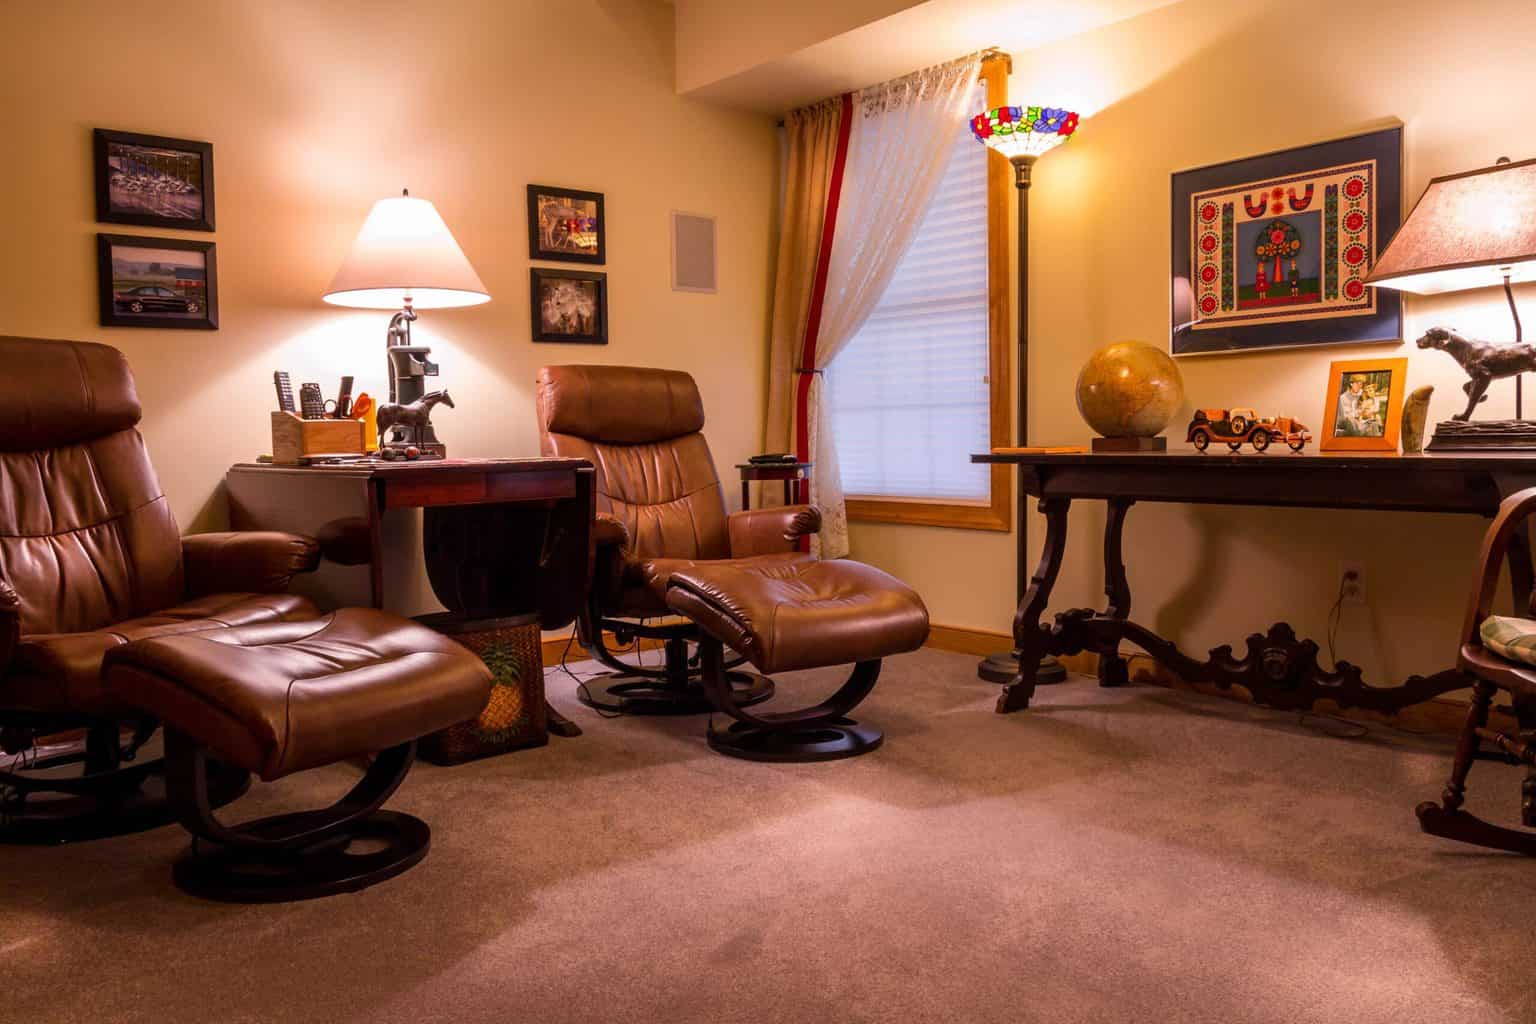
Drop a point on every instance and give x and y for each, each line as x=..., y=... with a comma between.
x=792, y=615
x=279, y=698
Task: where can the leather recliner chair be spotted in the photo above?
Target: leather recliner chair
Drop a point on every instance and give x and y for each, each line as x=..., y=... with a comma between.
x=91, y=559
x=660, y=510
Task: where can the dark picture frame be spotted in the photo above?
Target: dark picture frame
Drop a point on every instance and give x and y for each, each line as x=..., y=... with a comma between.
x=1322, y=214
x=553, y=229
x=557, y=300
x=140, y=285
x=153, y=181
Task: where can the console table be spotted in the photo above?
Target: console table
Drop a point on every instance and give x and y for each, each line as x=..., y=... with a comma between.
x=1278, y=669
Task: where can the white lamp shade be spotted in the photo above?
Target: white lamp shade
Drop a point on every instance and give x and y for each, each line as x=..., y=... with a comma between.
x=405, y=254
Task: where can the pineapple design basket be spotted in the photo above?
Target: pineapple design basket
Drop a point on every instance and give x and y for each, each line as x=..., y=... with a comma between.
x=515, y=716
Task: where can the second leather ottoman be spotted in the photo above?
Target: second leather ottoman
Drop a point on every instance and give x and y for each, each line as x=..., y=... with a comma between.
x=798, y=615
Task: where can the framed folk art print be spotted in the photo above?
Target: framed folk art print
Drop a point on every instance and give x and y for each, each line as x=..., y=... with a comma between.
x=1272, y=251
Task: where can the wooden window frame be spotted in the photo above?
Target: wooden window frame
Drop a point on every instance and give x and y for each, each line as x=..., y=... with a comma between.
x=997, y=513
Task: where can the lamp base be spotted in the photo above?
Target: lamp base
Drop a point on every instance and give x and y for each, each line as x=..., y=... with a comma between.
x=1483, y=435
x=1003, y=668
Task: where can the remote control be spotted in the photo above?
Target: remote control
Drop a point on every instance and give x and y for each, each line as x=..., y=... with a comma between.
x=284, y=391
x=311, y=402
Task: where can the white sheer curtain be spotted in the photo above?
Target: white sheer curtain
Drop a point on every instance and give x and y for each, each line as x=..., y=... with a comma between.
x=898, y=147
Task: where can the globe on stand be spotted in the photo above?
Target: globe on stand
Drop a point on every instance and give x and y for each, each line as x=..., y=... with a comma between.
x=1127, y=392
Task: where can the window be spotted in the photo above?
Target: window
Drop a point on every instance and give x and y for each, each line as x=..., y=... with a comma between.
x=924, y=383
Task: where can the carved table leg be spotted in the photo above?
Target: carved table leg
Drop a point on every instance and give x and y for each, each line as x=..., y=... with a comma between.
x=1112, y=668
x=1029, y=637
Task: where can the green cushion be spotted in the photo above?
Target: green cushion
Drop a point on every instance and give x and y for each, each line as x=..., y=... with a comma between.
x=1509, y=637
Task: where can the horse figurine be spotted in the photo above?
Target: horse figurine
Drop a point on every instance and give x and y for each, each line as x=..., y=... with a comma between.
x=1483, y=361
x=414, y=417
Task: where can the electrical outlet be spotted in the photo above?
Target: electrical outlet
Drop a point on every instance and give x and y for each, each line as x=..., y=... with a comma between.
x=1352, y=582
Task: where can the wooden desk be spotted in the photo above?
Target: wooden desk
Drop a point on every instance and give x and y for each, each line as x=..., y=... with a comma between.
x=1278, y=669
x=501, y=537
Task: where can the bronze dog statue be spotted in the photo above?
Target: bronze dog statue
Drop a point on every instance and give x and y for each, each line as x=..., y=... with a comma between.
x=1483, y=361
x=414, y=417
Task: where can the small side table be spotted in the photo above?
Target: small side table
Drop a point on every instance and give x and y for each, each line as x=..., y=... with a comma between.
x=794, y=474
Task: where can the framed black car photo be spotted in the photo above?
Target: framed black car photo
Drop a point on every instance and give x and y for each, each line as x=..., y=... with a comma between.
x=157, y=282
x=152, y=181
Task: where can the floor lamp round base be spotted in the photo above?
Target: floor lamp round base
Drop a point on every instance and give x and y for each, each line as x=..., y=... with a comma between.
x=1003, y=667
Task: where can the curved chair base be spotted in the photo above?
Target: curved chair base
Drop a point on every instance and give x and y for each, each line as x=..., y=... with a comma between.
x=829, y=740
x=627, y=695
x=50, y=802
x=364, y=852
x=298, y=856
x=1467, y=828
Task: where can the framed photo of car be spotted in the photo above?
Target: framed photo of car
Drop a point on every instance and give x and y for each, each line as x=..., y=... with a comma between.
x=153, y=181
x=566, y=224
x=1363, y=408
x=157, y=282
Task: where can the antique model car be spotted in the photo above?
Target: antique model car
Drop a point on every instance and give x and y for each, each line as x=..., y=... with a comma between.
x=1235, y=426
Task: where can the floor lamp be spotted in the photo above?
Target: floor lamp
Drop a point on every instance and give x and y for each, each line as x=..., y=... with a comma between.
x=1023, y=135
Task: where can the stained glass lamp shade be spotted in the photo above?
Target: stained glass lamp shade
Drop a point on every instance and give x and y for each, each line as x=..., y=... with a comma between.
x=1024, y=133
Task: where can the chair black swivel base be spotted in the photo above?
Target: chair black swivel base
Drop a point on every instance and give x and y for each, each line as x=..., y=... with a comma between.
x=95, y=787
x=673, y=689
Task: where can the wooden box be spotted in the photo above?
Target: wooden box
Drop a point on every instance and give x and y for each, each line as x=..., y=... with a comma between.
x=295, y=438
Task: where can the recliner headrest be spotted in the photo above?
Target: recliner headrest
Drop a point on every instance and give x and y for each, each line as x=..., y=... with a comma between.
x=619, y=404
x=57, y=393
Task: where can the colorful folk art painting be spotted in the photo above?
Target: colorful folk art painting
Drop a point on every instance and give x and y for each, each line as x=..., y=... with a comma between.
x=1273, y=251
x=1285, y=249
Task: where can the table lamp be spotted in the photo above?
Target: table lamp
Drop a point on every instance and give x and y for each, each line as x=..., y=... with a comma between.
x=1023, y=135
x=405, y=258
x=1472, y=230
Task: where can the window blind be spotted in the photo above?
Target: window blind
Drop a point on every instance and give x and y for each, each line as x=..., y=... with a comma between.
x=908, y=395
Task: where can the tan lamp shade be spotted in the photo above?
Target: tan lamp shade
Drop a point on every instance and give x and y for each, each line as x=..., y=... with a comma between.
x=1468, y=231
x=405, y=255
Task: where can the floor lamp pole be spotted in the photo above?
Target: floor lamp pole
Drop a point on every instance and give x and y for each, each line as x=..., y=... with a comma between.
x=1003, y=667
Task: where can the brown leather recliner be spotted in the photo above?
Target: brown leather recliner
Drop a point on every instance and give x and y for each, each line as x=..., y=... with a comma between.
x=660, y=511
x=91, y=559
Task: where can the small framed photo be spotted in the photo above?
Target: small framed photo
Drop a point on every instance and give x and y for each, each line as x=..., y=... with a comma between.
x=569, y=306
x=1363, y=410
x=566, y=225
x=153, y=181
x=157, y=282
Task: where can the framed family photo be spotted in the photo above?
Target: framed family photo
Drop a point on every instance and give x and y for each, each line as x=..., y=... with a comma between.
x=1273, y=251
x=565, y=224
x=157, y=282
x=569, y=306
x=153, y=181
x=1363, y=410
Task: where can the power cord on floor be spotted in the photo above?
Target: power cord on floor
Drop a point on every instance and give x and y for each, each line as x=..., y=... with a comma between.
x=633, y=647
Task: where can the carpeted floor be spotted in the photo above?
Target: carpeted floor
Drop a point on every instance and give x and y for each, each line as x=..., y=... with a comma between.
x=1132, y=855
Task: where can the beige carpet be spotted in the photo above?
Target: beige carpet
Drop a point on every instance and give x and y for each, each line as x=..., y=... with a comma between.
x=1132, y=855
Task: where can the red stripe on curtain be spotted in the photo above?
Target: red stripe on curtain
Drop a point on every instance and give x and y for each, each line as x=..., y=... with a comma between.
x=819, y=286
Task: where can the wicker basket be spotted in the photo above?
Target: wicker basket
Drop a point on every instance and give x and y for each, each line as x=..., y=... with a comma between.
x=516, y=715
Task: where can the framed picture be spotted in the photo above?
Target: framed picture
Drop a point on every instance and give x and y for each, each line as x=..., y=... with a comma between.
x=1363, y=410
x=569, y=306
x=564, y=224
x=1273, y=251
x=157, y=282
x=153, y=181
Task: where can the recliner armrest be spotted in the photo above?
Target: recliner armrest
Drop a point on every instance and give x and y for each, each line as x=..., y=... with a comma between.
x=248, y=561
x=10, y=623
x=609, y=531
x=763, y=531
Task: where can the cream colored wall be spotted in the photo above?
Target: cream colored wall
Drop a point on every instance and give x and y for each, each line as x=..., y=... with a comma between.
x=315, y=109
x=1197, y=83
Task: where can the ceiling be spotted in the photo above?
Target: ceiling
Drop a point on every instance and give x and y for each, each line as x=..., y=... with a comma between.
x=922, y=34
